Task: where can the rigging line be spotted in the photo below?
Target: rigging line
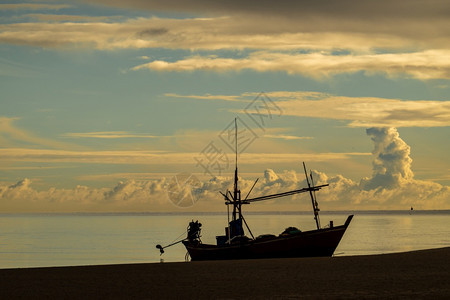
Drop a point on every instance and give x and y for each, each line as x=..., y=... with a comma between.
x=267, y=197
x=228, y=213
x=178, y=237
x=251, y=189
x=245, y=222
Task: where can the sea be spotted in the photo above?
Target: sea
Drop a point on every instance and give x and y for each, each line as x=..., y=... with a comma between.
x=47, y=240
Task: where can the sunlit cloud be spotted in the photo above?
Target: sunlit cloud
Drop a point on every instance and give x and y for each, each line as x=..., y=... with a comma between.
x=421, y=20
x=233, y=98
x=228, y=32
x=357, y=111
x=431, y=64
x=372, y=112
x=12, y=135
x=315, y=39
x=152, y=157
x=101, y=157
x=321, y=44
x=287, y=137
x=125, y=176
x=109, y=135
x=26, y=168
x=391, y=186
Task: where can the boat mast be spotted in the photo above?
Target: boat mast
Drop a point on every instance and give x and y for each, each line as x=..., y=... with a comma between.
x=313, y=200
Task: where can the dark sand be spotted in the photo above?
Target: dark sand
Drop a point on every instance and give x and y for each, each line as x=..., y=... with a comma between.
x=422, y=274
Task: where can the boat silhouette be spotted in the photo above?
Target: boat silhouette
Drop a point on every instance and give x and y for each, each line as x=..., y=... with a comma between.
x=234, y=244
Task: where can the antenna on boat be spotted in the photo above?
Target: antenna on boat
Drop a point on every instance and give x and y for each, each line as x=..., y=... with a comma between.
x=235, y=225
x=235, y=141
x=313, y=199
x=236, y=192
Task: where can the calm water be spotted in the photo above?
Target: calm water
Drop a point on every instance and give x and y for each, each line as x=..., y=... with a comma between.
x=62, y=240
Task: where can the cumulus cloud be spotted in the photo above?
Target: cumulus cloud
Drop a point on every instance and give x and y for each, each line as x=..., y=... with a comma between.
x=125, y=196
x=392, y=163
x=391, y=186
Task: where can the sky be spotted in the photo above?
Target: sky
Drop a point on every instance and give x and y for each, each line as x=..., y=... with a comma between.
x=130, y=106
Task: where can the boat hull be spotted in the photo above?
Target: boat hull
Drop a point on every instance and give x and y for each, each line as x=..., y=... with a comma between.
x=314, y=243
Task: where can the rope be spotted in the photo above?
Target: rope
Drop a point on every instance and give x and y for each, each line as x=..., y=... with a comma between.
x=178, y=237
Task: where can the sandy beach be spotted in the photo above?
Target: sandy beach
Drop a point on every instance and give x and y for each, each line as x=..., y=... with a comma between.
x=424, y=273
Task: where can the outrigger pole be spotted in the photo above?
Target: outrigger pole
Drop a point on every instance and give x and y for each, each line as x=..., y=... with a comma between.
x=311, y=189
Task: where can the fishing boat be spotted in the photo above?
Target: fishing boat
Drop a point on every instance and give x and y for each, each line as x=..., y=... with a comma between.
x=234, y=244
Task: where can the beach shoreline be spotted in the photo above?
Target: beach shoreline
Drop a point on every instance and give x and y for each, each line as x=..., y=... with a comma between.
x=422, y=273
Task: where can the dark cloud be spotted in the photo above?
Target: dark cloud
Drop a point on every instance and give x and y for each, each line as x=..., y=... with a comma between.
x=411, y=115
x=412, y=18
x=361, y=9
x=153, y=32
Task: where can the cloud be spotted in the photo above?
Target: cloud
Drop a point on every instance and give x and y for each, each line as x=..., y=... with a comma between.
x=391, y=37
x=232, y=98
x=287, y=137
x=33, y=6
x=367, y=111
x=304, y=30
x=392, y=163
x=125, y=196
x=11, y=135
x=71, y=18
x=431, y=64
x=114, y=177
x=195, y=33
x=395, y=20
x=150, y=157
x=391, y=186
x=287, y=8
x=101, y=157
x=109, y=135
x=357, y=111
